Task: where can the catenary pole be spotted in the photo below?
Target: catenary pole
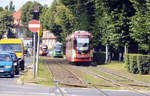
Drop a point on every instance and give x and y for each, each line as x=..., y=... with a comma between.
x=34, y=59
x=37, y=55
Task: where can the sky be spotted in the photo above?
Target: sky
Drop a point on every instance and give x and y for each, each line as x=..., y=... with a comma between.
x=19, y=3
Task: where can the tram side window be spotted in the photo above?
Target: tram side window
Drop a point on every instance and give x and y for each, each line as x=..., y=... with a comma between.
x=69, y=44
x=74, y=43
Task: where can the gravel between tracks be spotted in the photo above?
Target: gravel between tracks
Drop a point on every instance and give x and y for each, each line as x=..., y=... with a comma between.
x=62, y=75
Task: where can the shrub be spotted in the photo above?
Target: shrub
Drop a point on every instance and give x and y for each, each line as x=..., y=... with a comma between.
x=137, y=63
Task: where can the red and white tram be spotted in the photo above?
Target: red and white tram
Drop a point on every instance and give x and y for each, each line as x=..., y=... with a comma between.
x=43, y=50
x=79, y=47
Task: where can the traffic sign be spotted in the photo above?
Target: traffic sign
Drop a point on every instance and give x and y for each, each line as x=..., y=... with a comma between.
x=34, y=25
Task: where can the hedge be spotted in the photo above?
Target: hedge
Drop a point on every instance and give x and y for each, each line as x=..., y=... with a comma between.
x=137, y=63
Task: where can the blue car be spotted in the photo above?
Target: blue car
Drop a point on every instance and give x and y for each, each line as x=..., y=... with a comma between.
x=6, y=65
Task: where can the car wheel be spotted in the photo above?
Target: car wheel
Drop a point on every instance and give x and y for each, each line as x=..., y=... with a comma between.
x=12, y=75
x=22, y=67
x=17, y=71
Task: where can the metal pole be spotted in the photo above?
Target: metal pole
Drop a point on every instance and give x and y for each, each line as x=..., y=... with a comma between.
x=34, y=60
x=106, y=59
x=37, y=55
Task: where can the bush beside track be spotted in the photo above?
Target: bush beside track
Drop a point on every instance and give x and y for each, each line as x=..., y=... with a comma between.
x=137, y=63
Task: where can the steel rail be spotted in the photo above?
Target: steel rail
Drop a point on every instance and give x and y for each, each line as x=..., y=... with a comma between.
x=121, y=76
x=56, y=81
x=87, y=83
x=116, y=83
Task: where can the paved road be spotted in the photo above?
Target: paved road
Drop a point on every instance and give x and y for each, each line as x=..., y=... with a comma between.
x=8, y=87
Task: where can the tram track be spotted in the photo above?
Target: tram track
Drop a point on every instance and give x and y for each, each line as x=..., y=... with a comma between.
x=86, y=82
x=121, y=76
x=116, y=83
x=59, y=82
x=56, y=82
x=66, y=77
x=76, y=70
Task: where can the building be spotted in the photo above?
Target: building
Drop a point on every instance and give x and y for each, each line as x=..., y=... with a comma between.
x=48, y=39
x=19, y=28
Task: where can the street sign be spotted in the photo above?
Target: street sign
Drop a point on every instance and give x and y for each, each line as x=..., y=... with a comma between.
x=34, y=25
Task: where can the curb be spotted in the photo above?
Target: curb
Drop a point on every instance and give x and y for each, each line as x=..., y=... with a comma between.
x=20, y=80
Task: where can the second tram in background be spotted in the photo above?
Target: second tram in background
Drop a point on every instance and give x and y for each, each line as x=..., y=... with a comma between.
x=79, y=48
x=58, y=50
x=43, y=50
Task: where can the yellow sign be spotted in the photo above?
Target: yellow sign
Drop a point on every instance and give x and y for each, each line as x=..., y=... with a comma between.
x=41, y=31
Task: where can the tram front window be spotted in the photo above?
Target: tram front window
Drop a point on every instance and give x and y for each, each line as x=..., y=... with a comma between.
x=83, y=45
x=44, y=49
x=58, y=48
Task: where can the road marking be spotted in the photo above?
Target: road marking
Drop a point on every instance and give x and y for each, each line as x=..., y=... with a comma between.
x=64, y=91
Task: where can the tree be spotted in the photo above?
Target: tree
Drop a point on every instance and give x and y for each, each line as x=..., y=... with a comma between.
x=6, y=20
x=48, y=20
x=140, y=25
x=59, y=20
x=11, y=6
x=28, y=13
x=1, y=9
x=112, y=22
x=65, y=19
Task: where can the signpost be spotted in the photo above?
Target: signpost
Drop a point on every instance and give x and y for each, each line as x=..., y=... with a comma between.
x=34, y=26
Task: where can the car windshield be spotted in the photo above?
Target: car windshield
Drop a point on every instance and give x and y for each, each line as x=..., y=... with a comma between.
x=14, y=57
x=11, y=47
x=5, y=57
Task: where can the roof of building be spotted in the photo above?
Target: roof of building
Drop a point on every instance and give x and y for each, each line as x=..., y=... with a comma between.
x=17, y=18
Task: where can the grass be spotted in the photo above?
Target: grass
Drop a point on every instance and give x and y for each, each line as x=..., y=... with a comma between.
x=118, y=67
x=95, y=81
x=43, y=77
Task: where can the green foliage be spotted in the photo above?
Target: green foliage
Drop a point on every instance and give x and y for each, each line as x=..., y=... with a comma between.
x=65, y=19
x=5, y=21
x=137, y=63
x=113, y=22
x=139, y=25
x=28, y=11
x=28, y=14
x=1, y=9
x=11, y=6
x=48, y=20
x=112, y=18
